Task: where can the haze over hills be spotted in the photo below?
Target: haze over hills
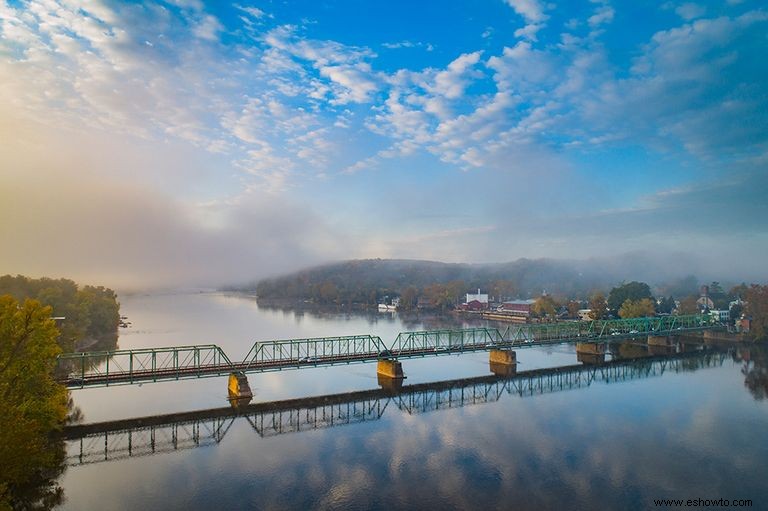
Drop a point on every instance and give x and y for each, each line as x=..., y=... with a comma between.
x=369, y=279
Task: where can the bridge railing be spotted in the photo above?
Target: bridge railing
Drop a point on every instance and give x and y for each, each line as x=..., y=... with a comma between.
x=312, y=350
x=125, y=365
x=468, y=339
x=598, y=329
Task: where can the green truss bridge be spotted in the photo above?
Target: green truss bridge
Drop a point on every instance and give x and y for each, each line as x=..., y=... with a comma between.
x=105, y=368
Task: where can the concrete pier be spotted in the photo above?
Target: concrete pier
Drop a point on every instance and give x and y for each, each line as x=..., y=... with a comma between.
x=715, y=335
x=390, y=369
x=590, y=352
x=238, y=388
x=590, y=348
x=659, y=340
x=503, y=357
x=632, y=351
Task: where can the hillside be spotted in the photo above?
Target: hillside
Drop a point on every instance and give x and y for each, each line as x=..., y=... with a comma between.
x=369, y=281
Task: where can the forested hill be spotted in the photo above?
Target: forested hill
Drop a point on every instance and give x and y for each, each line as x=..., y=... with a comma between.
x=368, y=281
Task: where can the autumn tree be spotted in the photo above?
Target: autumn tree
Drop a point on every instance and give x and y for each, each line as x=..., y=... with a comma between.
x=757, y=307
x=688, y=305
x=544, y=306
x=573, y=308
x=637, y=308
x=598, y=306
x=445, y=296
x=32, y=405
x=409, y=298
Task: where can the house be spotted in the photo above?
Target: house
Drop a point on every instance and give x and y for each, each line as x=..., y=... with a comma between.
x=520, y=308
x=723, y=316
x=474, y=305
x=480, y=297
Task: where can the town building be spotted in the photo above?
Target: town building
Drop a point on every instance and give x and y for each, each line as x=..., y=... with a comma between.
x=480, y=297
x=520, y=308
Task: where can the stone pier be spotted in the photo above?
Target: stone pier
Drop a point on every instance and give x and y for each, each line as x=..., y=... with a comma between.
x=238, y=389
x=503, y=357
x=590, y=352
x=390, y=369
x=590, y=348
x=659, y=340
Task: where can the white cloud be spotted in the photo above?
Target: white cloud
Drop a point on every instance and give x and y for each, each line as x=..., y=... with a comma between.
x=689, y=11
x=531, y=10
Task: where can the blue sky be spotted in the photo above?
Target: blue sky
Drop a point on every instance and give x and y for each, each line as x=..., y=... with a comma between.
x=179, y=141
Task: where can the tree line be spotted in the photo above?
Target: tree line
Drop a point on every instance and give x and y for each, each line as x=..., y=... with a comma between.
x=88, y=311
x=33, y=406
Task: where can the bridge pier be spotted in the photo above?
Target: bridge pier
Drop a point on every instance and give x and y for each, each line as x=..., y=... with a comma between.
x=390, y=369
x=503, y=357
x=590, y=352
x=657, y=350
x=502, y=362
x=238, y=388
x=659, y=340
x=631, y=350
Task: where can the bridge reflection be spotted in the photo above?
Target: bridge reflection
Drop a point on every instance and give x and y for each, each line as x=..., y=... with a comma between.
x=108, y=441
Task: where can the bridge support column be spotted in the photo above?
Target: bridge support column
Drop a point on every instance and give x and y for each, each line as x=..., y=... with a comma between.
x=390, y=369
x=659, y=340
x=238, y=388
x=503, y=357
x=590, y=352
x=502, y=362
x=631, y=350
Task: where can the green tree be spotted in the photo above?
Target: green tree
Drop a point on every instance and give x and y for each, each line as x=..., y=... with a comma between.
x=719, y=297
x=598, y=306
x=637, y=308
x=32, y=405
x=631, y=291
x=666, y=305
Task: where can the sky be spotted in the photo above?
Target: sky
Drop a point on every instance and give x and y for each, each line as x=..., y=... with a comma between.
x=184, y=142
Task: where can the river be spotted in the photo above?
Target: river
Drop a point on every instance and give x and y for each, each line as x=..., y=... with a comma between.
x=677, y=434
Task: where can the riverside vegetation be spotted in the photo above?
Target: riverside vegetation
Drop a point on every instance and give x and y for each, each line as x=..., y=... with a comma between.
x=33, y=406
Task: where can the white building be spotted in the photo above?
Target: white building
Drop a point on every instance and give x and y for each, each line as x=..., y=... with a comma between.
x=480, y=297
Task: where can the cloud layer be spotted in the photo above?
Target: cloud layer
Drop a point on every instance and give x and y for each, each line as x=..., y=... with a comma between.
x=226, y=121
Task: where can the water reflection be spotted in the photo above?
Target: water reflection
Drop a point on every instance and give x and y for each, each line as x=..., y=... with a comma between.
x=754, y=368
x=116, y=440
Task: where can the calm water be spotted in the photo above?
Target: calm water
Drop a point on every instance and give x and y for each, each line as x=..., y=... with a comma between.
x=693, y=434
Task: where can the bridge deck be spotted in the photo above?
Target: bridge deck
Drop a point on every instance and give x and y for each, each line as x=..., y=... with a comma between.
x=79, y=370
